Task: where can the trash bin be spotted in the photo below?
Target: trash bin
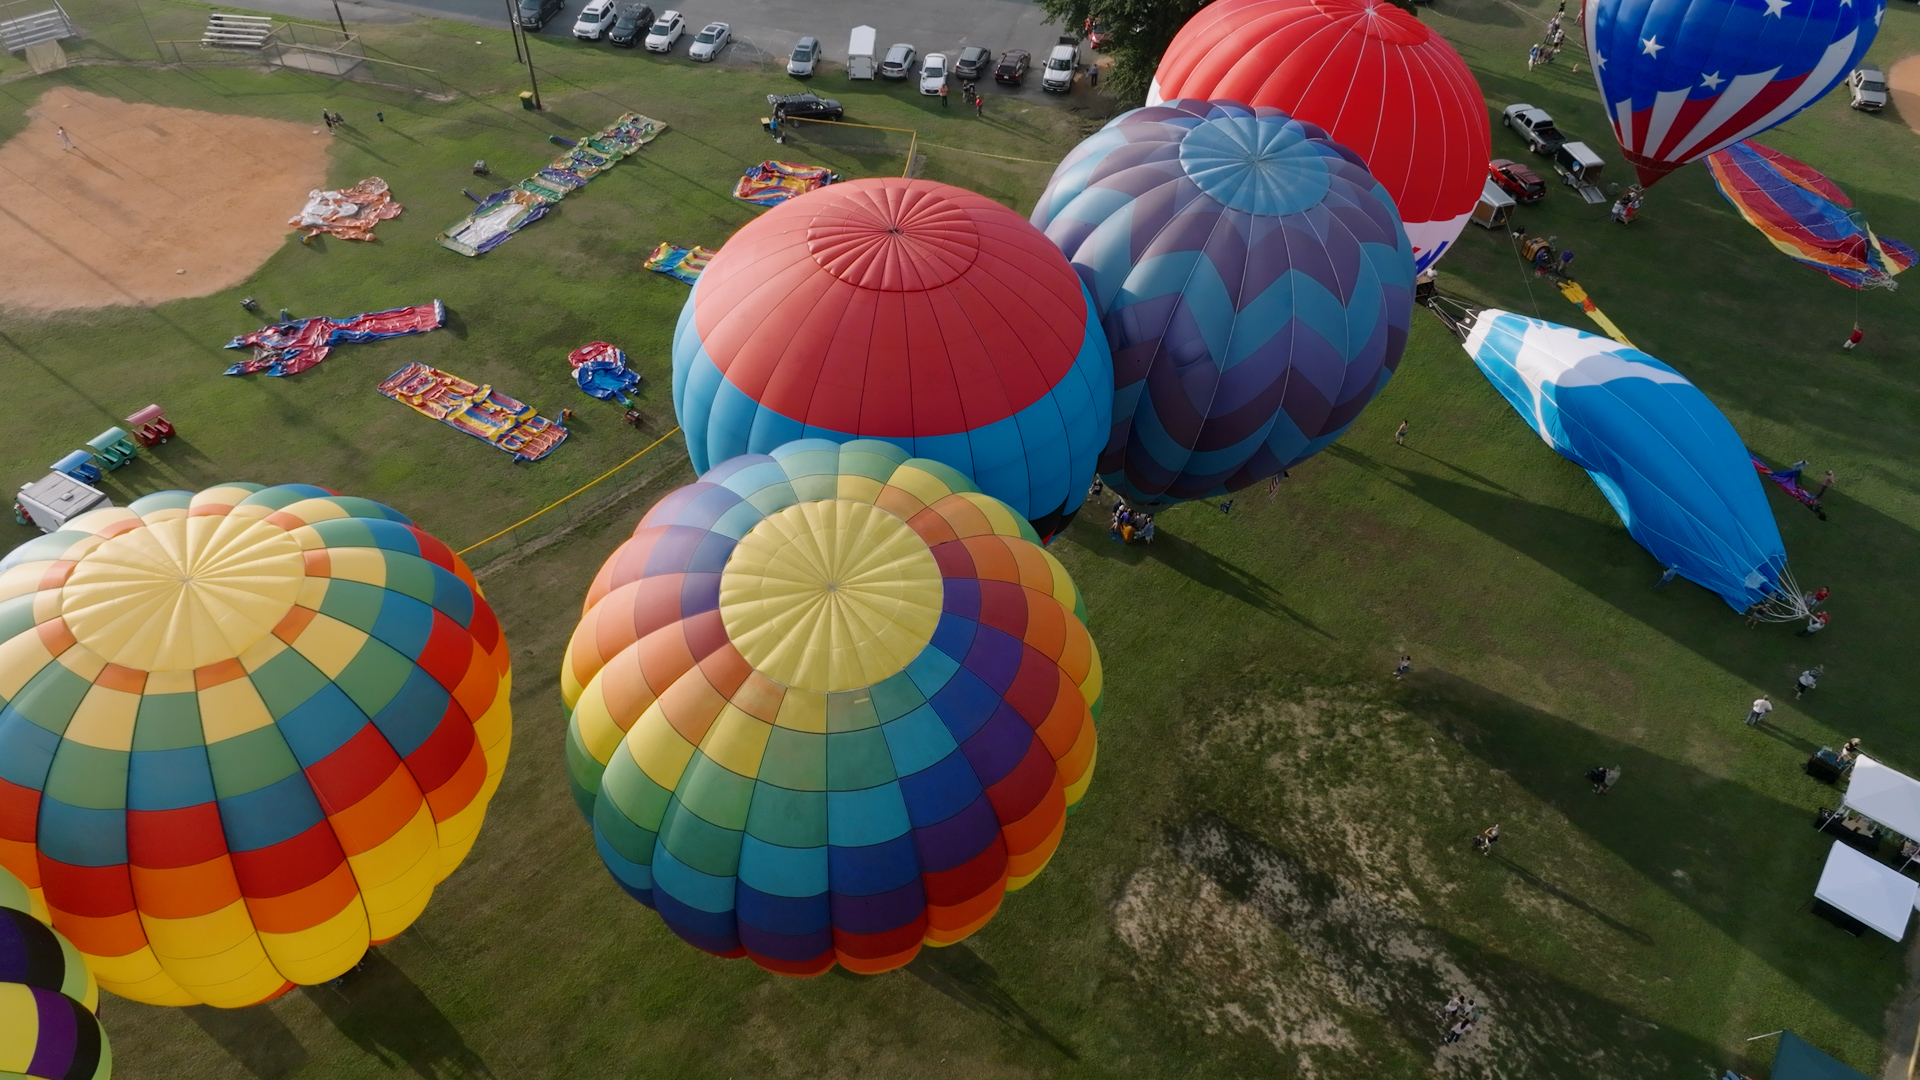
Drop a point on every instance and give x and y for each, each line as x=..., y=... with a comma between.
x=526, y=100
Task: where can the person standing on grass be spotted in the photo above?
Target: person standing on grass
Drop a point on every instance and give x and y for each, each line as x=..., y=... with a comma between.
x=1826, y=482
x=1666, y=579
x=1451, y=1008
x=1405, y=665
x=65, y=142
x=943, y=95
x=1226, y=507
x=1093, y=76
x=1400, y=435
x=1853, y=338
x=979, y=106
x=1487, y=838
x=1809, y=679
x=1608, y=778
x=1762, y=705
x=1533, y=57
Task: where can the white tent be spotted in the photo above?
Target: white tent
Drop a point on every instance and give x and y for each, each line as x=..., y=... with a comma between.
x=1884, y=795
x=1868, y=890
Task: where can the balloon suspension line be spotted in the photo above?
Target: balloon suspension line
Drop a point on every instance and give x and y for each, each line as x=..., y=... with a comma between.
x=1513, y=239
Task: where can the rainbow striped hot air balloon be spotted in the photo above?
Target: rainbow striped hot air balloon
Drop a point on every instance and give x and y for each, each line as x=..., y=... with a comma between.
x=243, y=733
x=829, y=705
x=47, y=998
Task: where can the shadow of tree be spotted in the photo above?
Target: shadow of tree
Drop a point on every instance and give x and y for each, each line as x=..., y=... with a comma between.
x=386, y=1015
x=1388, y=964
x=1724, y=858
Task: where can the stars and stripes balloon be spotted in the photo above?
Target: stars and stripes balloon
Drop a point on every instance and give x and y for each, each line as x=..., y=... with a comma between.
x=243, y=734
x=47, y=998
x=829, y=704
x=904, y=310
x=1683, y=79
x=1382, y=83
x=1254, y=281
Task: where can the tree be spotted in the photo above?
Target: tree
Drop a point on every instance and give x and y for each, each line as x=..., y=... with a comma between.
x=1139, y=31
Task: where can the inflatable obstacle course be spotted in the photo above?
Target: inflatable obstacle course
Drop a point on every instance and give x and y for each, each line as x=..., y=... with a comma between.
x=479, y=410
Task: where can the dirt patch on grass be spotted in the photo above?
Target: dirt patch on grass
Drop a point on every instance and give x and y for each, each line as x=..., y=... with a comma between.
x=150, y=204
x=1903, y=88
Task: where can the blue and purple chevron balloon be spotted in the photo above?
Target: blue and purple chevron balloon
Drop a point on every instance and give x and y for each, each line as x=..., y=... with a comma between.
x=1253, y=279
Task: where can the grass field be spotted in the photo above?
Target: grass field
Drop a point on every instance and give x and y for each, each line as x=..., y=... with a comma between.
x=1271, y=874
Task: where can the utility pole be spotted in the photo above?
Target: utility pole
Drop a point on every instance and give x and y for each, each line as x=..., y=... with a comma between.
x=531, y=80
x=513, y=31
x=342, y=19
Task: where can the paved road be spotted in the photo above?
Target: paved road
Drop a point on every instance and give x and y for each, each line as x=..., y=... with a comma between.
x=761, y=28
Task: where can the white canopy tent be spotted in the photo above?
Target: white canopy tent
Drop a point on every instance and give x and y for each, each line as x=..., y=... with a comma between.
x=1886, y=796
x=1868, y=890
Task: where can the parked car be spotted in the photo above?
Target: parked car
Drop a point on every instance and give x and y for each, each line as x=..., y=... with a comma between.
x=631, y=25
x=1517, y=180
x=1013, y=67
x=1534, y=127
x=709, y=41
x=595, y=20
x=898, y=63
x=1062, y=63
x=534, y=14
x=972, y=64
x=933, y=73
x=805, y=57
x=1867, y=88
x=1097, y=37
x=665, y=31
x=805, y=106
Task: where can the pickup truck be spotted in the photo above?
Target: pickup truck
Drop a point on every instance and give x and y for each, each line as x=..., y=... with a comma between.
x=1062, y=63
x=1534, y=127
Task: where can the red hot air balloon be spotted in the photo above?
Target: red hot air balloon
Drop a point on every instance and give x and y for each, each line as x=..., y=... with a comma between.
x=1377, y=79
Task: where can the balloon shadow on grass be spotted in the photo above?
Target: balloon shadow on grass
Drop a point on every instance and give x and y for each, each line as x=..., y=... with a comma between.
x=386, y=1015
x=960, y=973
x=1194, y=562
x=256, y=1038
x=1743, y=862
x=1874, y=556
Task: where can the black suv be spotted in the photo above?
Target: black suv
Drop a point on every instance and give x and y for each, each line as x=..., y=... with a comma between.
x=805, y=107
x=535, y=13
x=631, y=26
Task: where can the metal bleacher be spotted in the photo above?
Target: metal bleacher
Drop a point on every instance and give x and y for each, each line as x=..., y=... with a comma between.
x=20, y=32
x=225, y=31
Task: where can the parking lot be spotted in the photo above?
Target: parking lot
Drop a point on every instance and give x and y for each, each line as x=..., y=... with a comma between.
x=764, y=29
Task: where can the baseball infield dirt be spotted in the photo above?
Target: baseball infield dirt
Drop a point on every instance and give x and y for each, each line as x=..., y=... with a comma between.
x=1903, y=86
x=140, y=204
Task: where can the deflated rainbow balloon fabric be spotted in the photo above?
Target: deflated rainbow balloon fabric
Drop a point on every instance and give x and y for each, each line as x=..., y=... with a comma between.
x=829, y=705
x=47, y=998
x=243, y=733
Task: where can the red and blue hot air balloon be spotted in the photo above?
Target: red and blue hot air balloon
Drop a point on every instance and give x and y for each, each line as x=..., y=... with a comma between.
x=1682, y=80
x=904, y=310
x=1255, y=282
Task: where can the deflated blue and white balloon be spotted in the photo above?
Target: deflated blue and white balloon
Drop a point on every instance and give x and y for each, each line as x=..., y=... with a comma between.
x=1666, y=459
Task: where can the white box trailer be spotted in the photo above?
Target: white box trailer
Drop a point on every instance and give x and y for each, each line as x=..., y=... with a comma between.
x=56, y=499
x=860, y=52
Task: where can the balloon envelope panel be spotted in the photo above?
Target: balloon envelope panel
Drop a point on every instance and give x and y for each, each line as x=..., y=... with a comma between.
x=1666, y=459
x=1680, y=80
x=243, y=733
x=1806, y=215
x=1254, y=281
x=829, y=704
x=1376, y=78
x=904, y=310
x=47, y=998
